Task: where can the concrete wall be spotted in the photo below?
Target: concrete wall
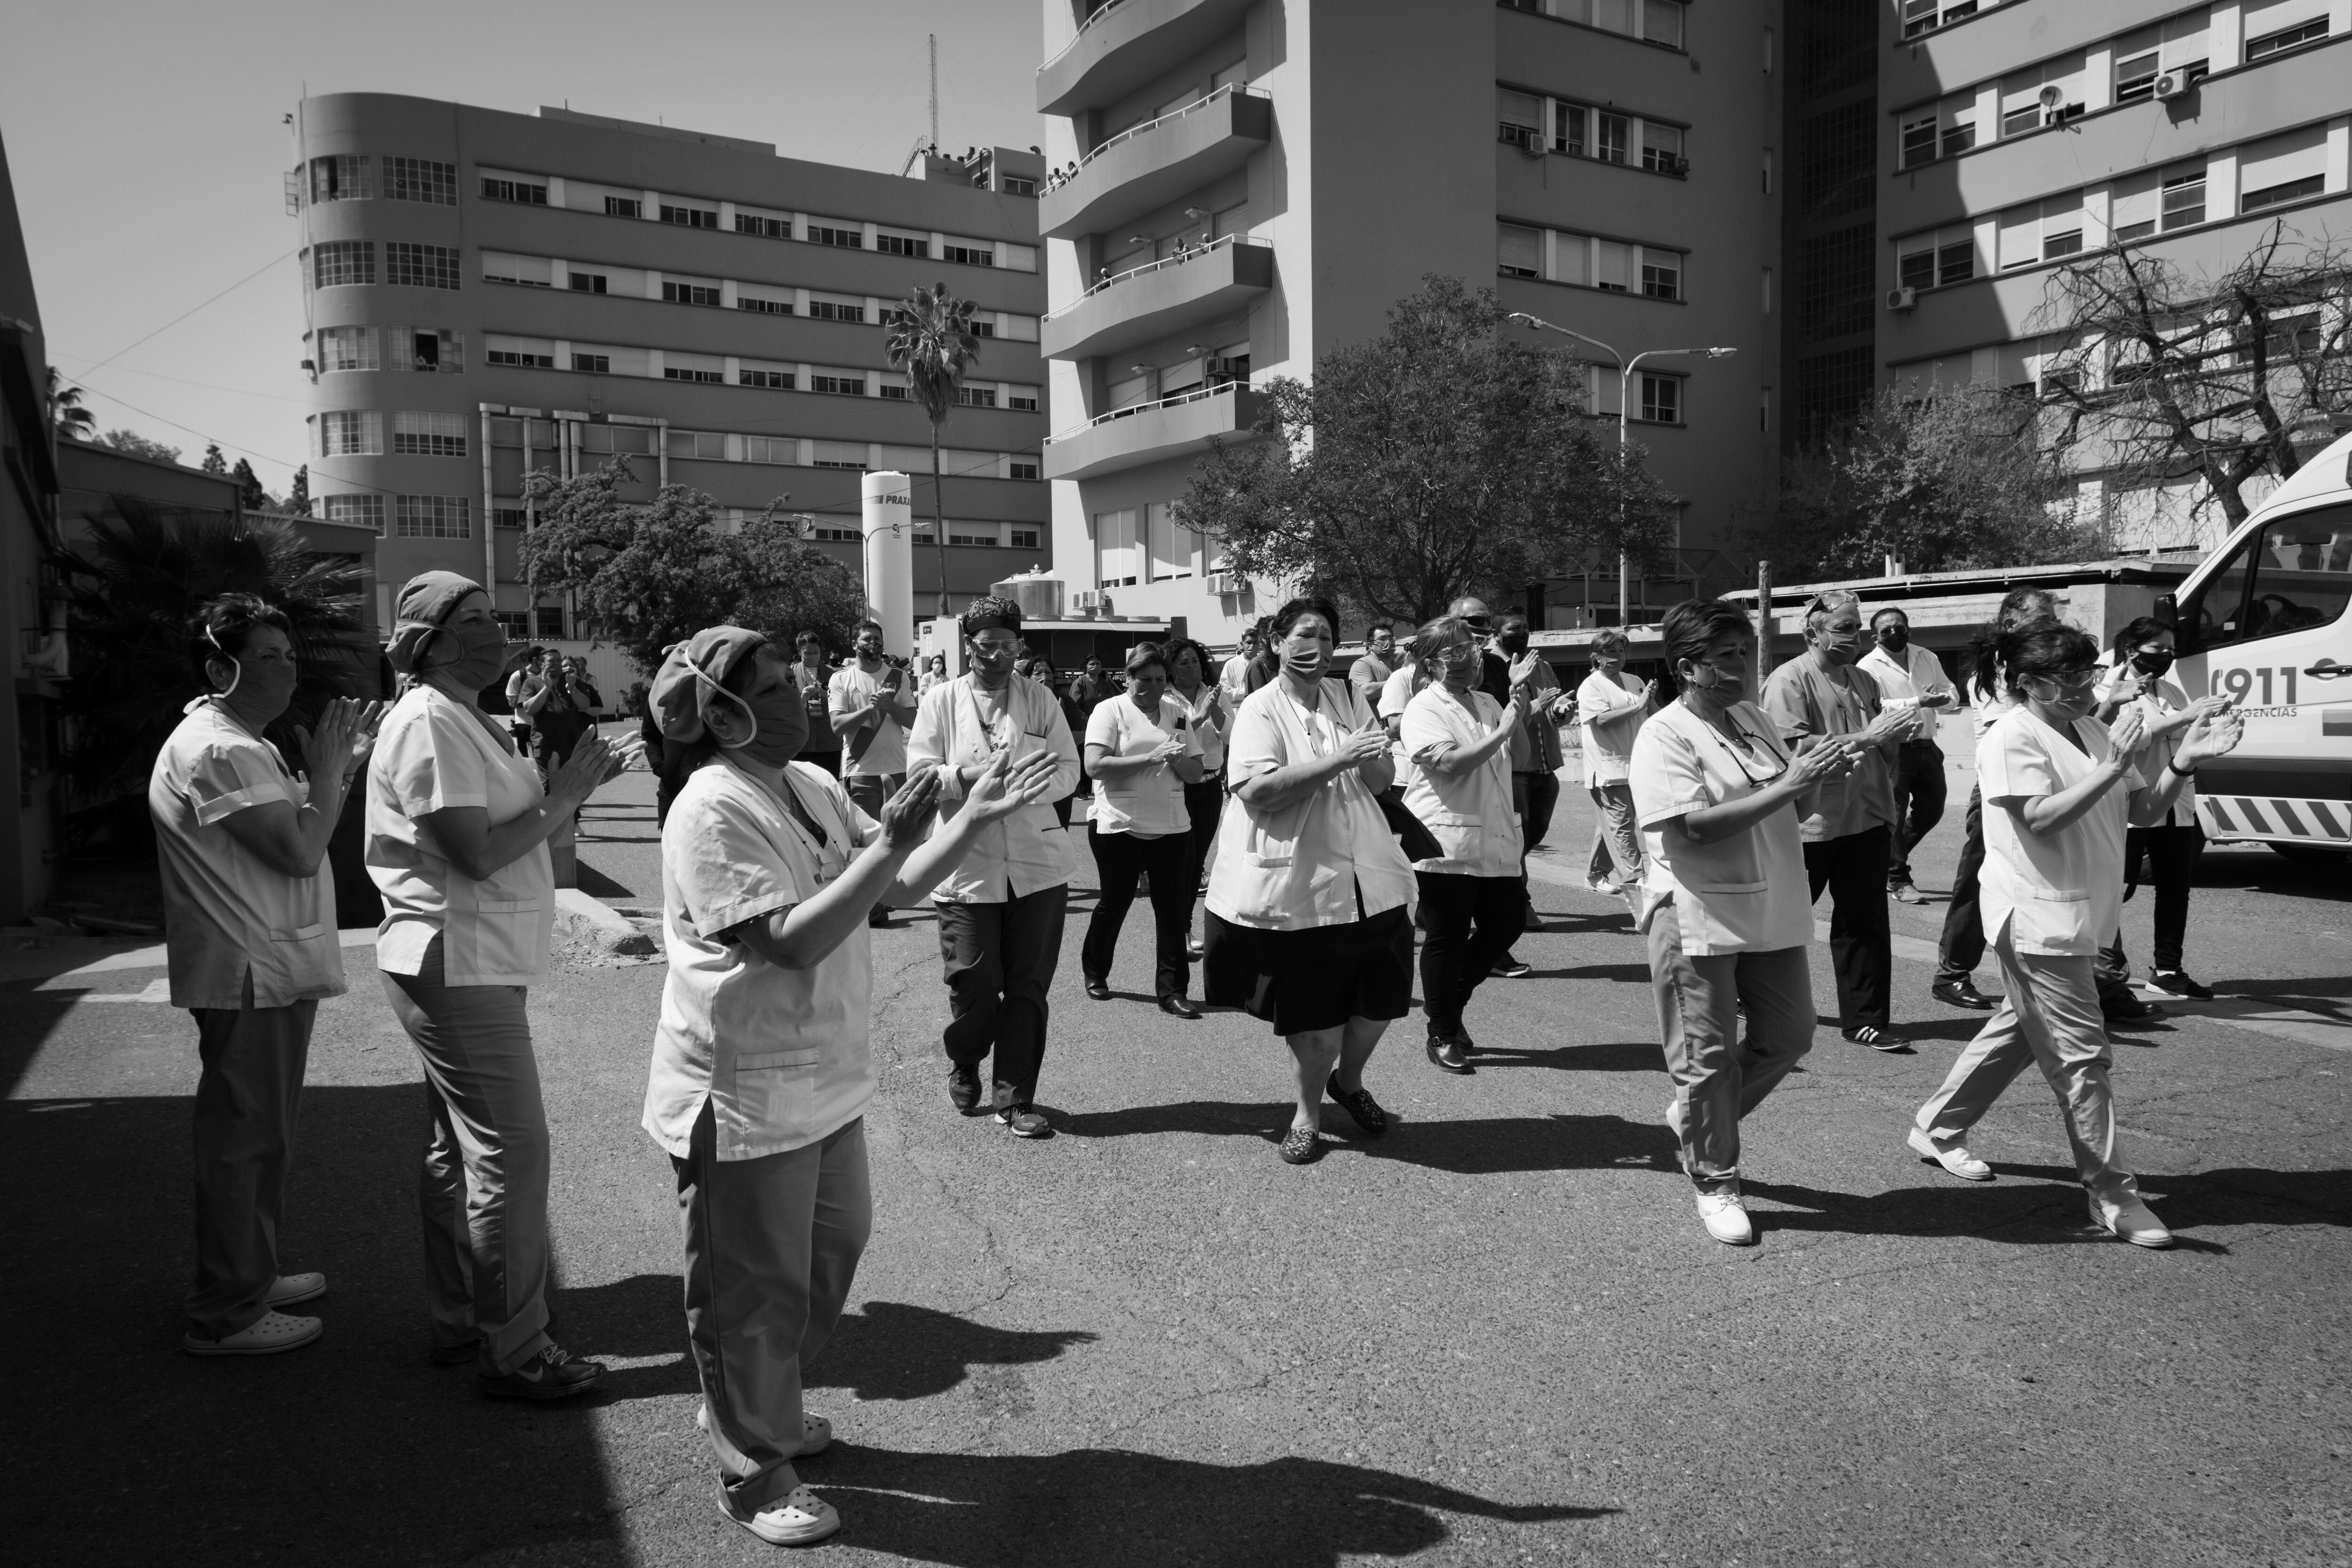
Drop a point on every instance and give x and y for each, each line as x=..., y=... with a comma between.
x=30, y=725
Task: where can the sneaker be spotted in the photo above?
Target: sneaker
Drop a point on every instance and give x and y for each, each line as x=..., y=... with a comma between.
x=1904, y=893
x=1961, y=993
x=292, y=1289
x=799, y=1517
x=1878, y=1040
x=1602, y=885
x=963, y=1089
x=1953, y=1157
x=1509, y=968
x=2122, y=1007
x=553, y=1374
x=1025, y=1122
x=2132, y=1221
x=2175, y=983
x=266, y=1335
x=1725, y=1217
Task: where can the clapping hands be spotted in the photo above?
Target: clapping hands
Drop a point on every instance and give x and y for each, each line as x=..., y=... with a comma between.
x=2210, y=735
x=339, y=746
x=1005, y=786
x=1820, y=764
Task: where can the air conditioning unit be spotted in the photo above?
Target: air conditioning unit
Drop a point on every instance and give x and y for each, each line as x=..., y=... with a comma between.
x=1678, y=167
x=1902, y=298
x=1086, y=599
x=2172, y=84
x=1222, y=582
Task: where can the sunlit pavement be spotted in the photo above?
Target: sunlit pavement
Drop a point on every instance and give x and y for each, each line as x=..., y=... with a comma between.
x=1498, y=1335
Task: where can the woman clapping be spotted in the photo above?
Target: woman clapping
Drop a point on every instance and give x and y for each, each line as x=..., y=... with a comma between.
x=1310, y=900
x=1141, y=754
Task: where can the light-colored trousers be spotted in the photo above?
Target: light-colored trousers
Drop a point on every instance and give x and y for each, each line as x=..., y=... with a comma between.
x=2049, y=1014
x=1716, y=1080
x=483, y=1188
x=247, y=1099
x=1616, y=841
x=771, y=1246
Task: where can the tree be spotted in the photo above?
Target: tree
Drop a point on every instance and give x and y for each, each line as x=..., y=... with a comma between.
x=1439, y=459
x=248, y=488
x=2157, y=376
x=1952, y=479
x=930, y=338
x=136, y=587
x=298, y=495
x=73, y=422
x=653, y=575
x=139, y=445
x=214, y=462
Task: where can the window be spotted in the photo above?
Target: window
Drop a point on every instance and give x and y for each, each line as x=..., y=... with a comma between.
x=348, y=348
x=955, y=538
x=1014, y=185
x=785, y=450
x=531, y=271
x=431, y=517
x=969, y=255
x=340, y=178
x=1021, y=399
x=623, y=206
x=1567, y=129
x=896, y=389
x=590, y=282
x=1917, y=270
x=1919, y=142
x=1021, y=538
x=1837, y=159
x=1662, y=274
x=2292, y=191
x=1017, y=469
x=2282, y=169
x=515, y=624
x=976, y=397
x=1168, y=544
x=693, y=372
x=1835, y=283
x=2285, y=38
x=428, y=434
x=2136, y=77
x=833, y=231
x=1662, y=23
x=890, y=244
x=507, y=188
x=524, y=359
x=766, y=307
x=350, y=433
x=690, y=293
x=2184, y=199
x=2067, y=242
x=420, y=180
x=838, y=455
x=2292, y=574
x=340, y=262
x=848, y=383
x=1959, y=137
x=364, y=509
x=1518, y=251
x=1518, y=117
x=594, y=365
x=426, y=349
x=1119, y=555
x=763, y=226
x=690, y=218
x=1610, y=264
x=1614, y=135
x=1661, y=149
x=1019, y=327
x=773, y=380
x=706, y=444
x=551, y=619
x=1956, y=263
x=983, y=326
x=420, y=266
x=836, y=310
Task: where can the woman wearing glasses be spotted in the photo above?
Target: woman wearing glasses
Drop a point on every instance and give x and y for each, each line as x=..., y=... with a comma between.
x=1723, y=901
x=2052, y=889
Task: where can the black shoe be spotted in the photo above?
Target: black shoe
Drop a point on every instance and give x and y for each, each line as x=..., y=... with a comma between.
x=1025, y=1122
x=1097, y=989
x=963, y=1089
x=2122, y=1007
x=877, y=918
x=1878, y=1040
x=2173, y=983
x=1179, y=1007
x=1302, y=1146
x=1446, y=1053
x=1509, y=968
x=1961, y=993
x=553, y=1374
x=1362, y=1106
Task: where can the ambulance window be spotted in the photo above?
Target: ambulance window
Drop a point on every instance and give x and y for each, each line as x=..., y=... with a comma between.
x=2293, y=573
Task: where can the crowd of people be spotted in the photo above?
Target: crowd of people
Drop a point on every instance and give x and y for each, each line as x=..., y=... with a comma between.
x=1325, y=813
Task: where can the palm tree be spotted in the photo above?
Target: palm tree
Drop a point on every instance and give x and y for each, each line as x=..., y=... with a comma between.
x=930, y=338
x=74, y=422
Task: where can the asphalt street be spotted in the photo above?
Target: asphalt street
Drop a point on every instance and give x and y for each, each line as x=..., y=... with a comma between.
x=1499, y=1335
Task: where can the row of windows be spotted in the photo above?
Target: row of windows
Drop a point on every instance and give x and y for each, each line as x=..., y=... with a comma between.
x=720, y=293
x=1556, y=256
x=1656, y=22
x=431, y=349
x=1159, y=550
x=583, y=196
x=413, y=517
x=358, y=433
x=336, y=262
x=2174, y=54
x=2230, y=182
x=1580, y=131
x=737, y=447
x=346, y=177
x=735, y=370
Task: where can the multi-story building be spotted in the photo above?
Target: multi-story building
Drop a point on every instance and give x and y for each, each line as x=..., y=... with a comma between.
x=1255, y=183
x=2022, y=137
x=488, y=294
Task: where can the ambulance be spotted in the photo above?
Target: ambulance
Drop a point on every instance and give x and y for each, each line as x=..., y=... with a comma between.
x=2264, y=620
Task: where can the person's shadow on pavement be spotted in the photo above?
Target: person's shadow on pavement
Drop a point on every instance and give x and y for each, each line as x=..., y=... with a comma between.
x=1096, y=1506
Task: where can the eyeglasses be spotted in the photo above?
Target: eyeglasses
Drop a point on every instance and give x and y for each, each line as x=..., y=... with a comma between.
x=2069, y=680
x=1744, y=749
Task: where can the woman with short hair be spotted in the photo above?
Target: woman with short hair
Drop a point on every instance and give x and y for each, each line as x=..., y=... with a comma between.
x=1724, y=902
x=1610, y=707
x=762, y=1066
x=2054, y=825
x=1142, y=754
x=1311, y=898
x=1459, y=738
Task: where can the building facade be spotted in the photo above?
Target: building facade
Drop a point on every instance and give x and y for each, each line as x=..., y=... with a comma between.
x=2019, y=138
x=1243, y=184
x=489, y=294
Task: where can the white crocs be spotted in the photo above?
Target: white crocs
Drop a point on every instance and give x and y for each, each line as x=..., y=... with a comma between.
x=1953, y=1157
x=266, y=1335
x=800, y=1517
x=292, y=1290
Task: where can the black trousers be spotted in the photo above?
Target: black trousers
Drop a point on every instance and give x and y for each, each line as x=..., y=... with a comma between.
x=1000, y=961
x=1472, y=921
x=2171, y=860
x=1854, y=869
x=1119, y=859
x=1203, y=802
x=1961, y=947
x=1919, y=803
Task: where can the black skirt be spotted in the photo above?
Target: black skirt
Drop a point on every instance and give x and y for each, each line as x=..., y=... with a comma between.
x=1317, y=977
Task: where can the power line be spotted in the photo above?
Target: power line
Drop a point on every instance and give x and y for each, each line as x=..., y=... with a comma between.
x=183, y=381
x=184, y=315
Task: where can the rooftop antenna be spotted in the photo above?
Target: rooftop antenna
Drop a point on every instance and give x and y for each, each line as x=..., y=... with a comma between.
x=935, y=91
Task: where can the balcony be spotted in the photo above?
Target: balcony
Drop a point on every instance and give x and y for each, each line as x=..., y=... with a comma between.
x=1159, y=298
x=1157, y=163
x=1153, y=432
x=1125, y=43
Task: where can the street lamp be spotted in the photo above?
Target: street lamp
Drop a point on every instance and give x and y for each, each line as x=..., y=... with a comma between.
x=1625, y=382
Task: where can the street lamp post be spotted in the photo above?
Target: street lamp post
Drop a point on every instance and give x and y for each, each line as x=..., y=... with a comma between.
x=1624, y=408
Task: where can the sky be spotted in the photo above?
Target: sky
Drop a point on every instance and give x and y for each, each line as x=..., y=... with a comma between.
x=148, y=146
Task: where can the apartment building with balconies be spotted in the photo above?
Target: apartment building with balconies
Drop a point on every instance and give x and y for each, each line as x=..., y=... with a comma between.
x=2020, y=138
x=1241, y=185
x=487, y=294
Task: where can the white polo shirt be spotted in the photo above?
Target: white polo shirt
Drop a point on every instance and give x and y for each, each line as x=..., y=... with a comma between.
x=2063, y=892
x=783, y=1056
x=1148, y=803
x=1028, y=851
x=225, y=914
x=1746, y=893
x=1470, y=813
x=1904, y=683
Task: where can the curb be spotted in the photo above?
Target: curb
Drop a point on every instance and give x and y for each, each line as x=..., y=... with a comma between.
x=581, y=915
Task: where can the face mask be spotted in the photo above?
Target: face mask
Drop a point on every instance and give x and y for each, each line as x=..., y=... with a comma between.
x=482, y=656
x=268, y=688
x=2152, y=664
x=1692, y=683
x=1513, y=642
x=1894, y=640
x=779, y=724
